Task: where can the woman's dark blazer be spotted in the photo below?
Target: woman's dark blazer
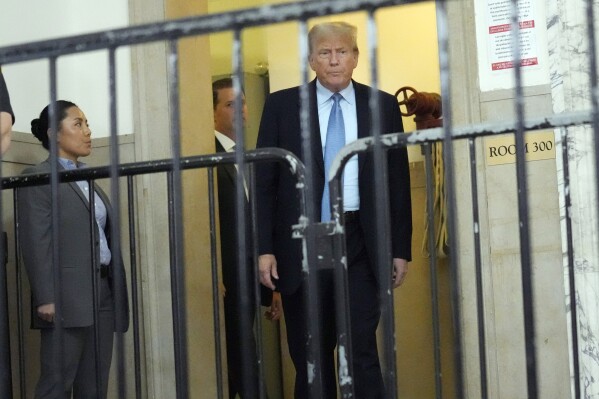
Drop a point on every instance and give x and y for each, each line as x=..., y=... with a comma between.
x=75, y=252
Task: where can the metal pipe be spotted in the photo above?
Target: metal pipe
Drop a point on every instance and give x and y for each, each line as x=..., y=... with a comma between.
x=594, y=88
x=215, y=290
x=243, y=298
x=115, y=223
x=448, y=135
x=310, y=282
x=158, y=166
x=384, y=256
x=480, y=303
x=134, y=284
x=58, y=341
x=178, y=297
x=95, y=284
x=256, y=282
x=19, y=280
x=432, y=250
x=571, y=265
x=176, y=231
x=185, y=27
x=523, y=214
x=342, y=310
x=5, y=362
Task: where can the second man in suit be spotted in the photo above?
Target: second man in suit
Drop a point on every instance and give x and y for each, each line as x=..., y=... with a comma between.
x=223, y=96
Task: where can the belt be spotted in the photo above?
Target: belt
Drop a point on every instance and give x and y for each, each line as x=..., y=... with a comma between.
x=351, y=216
x=104, y=271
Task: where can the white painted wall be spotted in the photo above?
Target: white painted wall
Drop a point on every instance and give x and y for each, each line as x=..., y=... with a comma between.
x=82, y=78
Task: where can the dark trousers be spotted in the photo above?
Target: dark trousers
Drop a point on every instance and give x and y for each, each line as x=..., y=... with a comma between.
x=78, y=355
x=237, y=339
x=364, y=316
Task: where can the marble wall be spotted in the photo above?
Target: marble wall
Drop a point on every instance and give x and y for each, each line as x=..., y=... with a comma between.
x=570, y=87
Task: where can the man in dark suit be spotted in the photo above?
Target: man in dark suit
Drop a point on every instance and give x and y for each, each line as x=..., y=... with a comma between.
x=223, y=97
x=333, y=56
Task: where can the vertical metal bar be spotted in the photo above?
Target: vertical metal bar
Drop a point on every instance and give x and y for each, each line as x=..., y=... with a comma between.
x=177, y=285
x=480, y=305
x=115, y=224
x=443, y=32
x=256, y=282
x=571, y=268
x=523, y=214
x=309, y=262
x=215, y=293
x=95, y=283
x=593, y=81
x=58, y=344
x=20, y=312
x=246, y=333
x=5, y=360
x=176, y=231
x=342, y=308
x=384, y=256
x=134, y=282
x=432, y=250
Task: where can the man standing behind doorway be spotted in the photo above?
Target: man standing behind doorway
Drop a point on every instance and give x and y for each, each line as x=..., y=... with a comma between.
x=223, y=96
x=340, y=114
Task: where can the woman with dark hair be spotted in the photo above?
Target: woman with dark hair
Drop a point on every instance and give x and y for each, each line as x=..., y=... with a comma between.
x=76, y=262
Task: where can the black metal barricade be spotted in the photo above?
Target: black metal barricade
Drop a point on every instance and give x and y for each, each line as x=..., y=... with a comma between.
x=141, y=168
x=306, y=229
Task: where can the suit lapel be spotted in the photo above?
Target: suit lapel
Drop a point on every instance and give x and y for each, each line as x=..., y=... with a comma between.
x=80, y=193
x=72, y=185
x=363, y=116
x=229, y=168
x=314, y=126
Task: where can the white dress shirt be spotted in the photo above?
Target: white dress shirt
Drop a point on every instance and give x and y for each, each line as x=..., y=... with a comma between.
x=229, y=146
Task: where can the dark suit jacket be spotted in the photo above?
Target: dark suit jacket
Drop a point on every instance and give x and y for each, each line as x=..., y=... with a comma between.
x=75, y=252
x=227, y=211
x=277, y=199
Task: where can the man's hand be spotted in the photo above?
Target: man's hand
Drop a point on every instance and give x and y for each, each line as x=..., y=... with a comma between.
x=276, y=307
x=400, y=270
x=46, y=312
x=267, y=265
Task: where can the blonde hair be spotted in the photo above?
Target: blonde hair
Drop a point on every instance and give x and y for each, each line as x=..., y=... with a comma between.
x=338, y=28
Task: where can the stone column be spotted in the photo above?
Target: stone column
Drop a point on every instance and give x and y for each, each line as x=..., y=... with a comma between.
x=152, y=135
x=569, y=56
x=499, y=235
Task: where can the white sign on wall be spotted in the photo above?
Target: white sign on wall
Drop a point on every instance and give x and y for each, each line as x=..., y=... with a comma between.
x=496, y=56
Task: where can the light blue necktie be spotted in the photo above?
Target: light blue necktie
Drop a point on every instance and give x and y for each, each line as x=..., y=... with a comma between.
x=334, y=142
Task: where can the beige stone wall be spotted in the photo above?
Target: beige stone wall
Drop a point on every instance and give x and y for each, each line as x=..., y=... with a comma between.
x=152, y=125
x=501, y=265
